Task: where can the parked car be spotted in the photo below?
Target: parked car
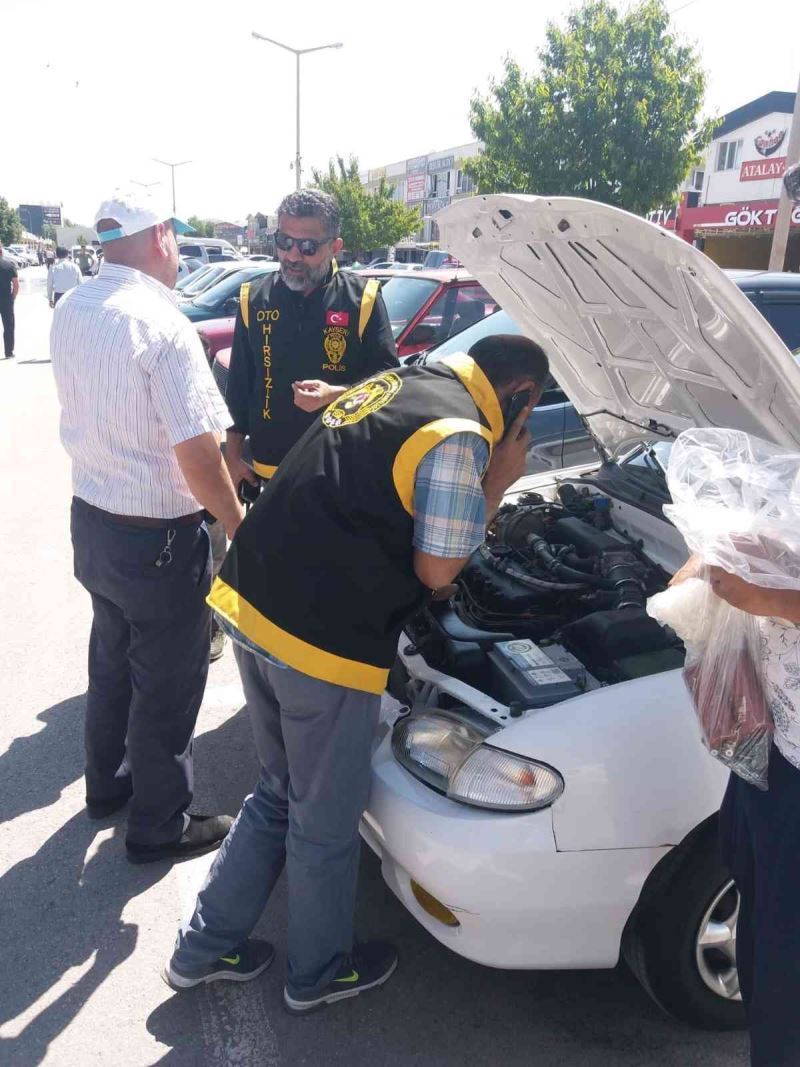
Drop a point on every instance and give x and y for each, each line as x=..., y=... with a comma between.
x=548, y=803
x=777, y=297
x=203, y=247
x=437, y=260
x=221, y=300
x=216, y=335
x=426, y=307
x=260, y=257
x=559, y=435
x=208, y=274
x=24, y=255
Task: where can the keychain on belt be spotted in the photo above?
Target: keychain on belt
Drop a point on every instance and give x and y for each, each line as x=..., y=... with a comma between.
x=165, y=555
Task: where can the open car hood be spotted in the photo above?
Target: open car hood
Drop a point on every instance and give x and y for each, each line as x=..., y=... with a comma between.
x=645, y=334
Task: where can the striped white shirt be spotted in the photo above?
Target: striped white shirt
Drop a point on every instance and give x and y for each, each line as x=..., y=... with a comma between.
x=133, y=381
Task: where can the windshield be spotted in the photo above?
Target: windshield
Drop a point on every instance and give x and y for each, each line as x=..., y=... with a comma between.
x=201, y=279
x=229, y=286
x=404, y=297
x=650, y=461
x=497, y=322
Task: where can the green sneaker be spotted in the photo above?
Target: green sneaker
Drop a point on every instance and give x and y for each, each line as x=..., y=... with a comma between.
x=369, y=966
x=240, y=965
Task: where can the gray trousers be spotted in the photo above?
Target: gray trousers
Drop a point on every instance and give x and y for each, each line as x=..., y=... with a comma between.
x=314, y=743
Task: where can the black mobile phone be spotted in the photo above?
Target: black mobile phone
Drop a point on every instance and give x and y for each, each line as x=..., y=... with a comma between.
x=517, y=402
x=248, y=493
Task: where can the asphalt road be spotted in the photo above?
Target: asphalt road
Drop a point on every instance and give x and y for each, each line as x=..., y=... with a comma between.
x=83, y=933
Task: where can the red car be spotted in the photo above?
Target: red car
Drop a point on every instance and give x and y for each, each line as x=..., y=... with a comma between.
x=425, y=308
x=215, y=335
x=428, y=306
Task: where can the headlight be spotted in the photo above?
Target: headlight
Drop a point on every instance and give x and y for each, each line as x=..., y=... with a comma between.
x=449, y=754
x=433, y=746
x=489, y=778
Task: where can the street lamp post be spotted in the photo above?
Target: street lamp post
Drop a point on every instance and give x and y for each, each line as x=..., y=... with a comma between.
x=172, y=167
x=297, y=52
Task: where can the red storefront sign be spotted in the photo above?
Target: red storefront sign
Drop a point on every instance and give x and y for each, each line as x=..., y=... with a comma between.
x=762, y=169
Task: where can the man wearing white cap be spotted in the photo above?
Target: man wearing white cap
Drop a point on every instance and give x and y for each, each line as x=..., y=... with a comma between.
x=141, y=418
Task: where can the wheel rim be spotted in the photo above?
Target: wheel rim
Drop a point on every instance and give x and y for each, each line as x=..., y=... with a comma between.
x=715, y=949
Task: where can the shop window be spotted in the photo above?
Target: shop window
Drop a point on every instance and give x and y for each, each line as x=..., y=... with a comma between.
x=728, y=153
x=464, y=184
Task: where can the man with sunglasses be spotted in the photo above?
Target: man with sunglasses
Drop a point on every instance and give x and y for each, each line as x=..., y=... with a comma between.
x=303, y=335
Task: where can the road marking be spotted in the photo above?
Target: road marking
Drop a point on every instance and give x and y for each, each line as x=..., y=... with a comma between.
x=233, y=1016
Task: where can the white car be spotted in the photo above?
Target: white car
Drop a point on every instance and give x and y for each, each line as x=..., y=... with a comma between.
x=547, y=802
x=23, y=255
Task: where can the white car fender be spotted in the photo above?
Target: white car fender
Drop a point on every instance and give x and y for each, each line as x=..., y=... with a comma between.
x=635, y=770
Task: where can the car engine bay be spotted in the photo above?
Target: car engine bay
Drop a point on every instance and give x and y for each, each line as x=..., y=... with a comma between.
x=551, y=605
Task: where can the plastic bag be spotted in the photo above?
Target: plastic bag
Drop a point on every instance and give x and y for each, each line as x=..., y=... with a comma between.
x=736, y=500
x=723, y=675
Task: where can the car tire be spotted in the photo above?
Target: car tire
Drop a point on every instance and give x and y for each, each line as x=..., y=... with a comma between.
x=683, y=947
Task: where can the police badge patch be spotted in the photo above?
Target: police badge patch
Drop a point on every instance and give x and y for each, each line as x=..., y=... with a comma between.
x=362, y=400
x=335, y=343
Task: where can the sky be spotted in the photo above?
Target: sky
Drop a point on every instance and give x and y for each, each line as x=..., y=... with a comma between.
x=102, y=87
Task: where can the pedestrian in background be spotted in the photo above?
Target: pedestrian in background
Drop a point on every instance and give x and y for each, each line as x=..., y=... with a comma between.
x=9, y=287
x=141, y=417
x=62, y=276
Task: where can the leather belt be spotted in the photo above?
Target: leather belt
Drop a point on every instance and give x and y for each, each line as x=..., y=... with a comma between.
x=142, y=520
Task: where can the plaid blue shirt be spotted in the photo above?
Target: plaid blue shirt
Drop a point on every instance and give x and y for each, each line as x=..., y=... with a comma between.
x=449, y=509
x=449, y=503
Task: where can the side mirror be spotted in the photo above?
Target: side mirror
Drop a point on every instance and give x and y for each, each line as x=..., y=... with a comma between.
x=231, y=305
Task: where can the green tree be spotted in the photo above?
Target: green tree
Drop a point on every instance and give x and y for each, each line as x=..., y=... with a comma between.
x=613, y=113
x=367, y=220
x=10, y=225
x=202, y=227
x=48, y=232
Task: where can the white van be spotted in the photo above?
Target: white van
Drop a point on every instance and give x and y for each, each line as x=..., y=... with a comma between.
x=204, y=247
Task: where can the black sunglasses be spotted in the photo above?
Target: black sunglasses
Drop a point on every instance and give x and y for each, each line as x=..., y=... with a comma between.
x=306, y=246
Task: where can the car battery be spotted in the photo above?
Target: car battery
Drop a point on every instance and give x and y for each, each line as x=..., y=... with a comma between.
x=524, y=672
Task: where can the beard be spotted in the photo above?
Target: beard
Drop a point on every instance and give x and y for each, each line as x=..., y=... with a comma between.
x=309, y=279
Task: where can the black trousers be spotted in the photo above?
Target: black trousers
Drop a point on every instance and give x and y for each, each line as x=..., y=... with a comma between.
x=148, y=664
x=760, y=835
x=7, y=315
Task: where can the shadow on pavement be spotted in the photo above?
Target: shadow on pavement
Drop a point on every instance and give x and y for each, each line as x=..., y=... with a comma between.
x=60, y=911
x=24, y=362
x=36, y=769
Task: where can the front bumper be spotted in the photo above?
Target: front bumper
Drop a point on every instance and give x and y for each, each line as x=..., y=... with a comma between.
x=520, y=903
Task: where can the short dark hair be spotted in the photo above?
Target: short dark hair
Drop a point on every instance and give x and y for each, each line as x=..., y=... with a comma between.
x=61, y=252
x=507, y=356
x=312, y=204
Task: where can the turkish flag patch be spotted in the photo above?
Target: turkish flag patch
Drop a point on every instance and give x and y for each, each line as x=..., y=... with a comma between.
x=337, y=318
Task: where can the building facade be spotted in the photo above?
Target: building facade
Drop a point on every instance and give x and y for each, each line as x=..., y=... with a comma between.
x=729, y=205
x=429, y=183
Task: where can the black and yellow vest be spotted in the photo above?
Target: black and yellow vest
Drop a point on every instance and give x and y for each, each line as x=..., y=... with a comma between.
x=320, y=573
x=293, y=338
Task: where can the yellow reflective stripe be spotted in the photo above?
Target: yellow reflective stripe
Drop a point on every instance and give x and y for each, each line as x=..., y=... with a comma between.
x=480, y=389
x=419, y=444
x=367, y=304
x=244, y=303
x=264, y=469
x=334, y=267
x=295, y=652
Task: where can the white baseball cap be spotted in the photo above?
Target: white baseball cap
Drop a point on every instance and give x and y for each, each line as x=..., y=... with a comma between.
x=134, y=211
